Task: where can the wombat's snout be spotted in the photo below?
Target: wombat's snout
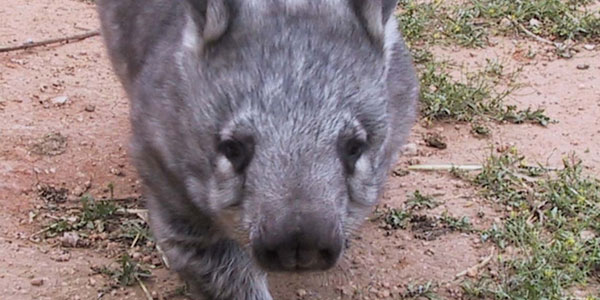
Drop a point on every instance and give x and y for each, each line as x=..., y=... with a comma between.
x=305, y=244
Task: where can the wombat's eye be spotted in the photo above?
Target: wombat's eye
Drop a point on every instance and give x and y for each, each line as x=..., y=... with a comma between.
x=352, y=150
x=237, y=152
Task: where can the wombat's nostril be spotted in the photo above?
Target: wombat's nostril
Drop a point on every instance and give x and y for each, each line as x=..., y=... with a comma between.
x=327, y=255
x=271, y=254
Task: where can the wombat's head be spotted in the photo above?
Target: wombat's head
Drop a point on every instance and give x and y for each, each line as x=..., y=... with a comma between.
x=287, y=115
x=307, y=141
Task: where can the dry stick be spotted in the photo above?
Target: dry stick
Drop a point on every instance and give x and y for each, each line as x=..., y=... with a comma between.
x=144, y=289
x=445, y=167
x=476, y=267
x=77, y=37
x=535, y=36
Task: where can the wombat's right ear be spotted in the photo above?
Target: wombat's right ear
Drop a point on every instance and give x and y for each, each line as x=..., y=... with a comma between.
x=374, y=14
x=212, y=18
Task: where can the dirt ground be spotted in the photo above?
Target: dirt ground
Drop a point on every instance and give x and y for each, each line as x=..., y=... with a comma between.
x=94, y=122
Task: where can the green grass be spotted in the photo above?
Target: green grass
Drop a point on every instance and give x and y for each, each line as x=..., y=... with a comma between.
x=553, y=227
x=554, y=19
x=475, y=97
x=470, y=24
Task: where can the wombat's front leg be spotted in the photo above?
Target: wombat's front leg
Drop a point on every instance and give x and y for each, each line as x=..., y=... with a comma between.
x=214, y=266
x=221, y=271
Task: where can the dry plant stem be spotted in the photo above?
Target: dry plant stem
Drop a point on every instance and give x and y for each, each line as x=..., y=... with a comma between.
x=445, y=167
x=478, y=266
x=144, y=289
x=535, y=36
x=77, y=37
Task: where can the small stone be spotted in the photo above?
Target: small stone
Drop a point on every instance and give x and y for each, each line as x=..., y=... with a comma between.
x=90, y=108
x=136, y=255
x=301, y=293
x=587, y=235
x=589, y=47
x=60, y=100
x=70, y=239
x=583, y=67
x=37, y=281
x=472, y=272
x=409, y=149
x=505, y=23
x=92, y=281
x=62, y=257
x=384, y=294
x=78, y=191
x=117, y=172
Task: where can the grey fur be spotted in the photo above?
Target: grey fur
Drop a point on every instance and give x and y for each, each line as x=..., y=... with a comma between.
x=294, y=82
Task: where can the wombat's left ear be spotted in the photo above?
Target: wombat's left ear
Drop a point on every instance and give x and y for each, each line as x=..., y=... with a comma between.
x=374, y=14
x=212, y=18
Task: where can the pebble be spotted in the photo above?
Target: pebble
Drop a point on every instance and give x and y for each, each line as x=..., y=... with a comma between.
x=472, y=273
x=136, y=255
x=589, y=47
x=583, y=67
x=62, y=257
x=60, y=100
x=301, y=292
x=90, y=108
x=410, y=149
x=117, y=172
x=37, y=281
x=70, y=239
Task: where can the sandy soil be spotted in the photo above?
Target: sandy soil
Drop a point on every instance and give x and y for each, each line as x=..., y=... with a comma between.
x=94, y=122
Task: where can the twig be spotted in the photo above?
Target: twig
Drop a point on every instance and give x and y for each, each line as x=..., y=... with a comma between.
x=144, y=289
x=445, y=167
x=137, y=237
x=35, y=235
x=77, y=37
x=535, y=36
x=476, y=267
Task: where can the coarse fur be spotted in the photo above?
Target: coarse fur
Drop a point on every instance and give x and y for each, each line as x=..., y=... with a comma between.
x=259, y=124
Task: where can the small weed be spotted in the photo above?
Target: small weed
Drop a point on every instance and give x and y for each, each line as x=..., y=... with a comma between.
x=419, y=201
x=97, y=210
x=135, y=230
x=396, y=219
x=480, y=129
x=420, y=291
x=435, y=140
x=128, y=274
x=511, y=115
x=462, y=224
x=91, y=216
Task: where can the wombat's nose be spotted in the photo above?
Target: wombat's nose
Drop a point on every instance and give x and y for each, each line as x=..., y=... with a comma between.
x=312, y=247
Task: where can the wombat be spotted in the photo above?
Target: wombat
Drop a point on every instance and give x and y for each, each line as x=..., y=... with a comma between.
x=263, y=130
